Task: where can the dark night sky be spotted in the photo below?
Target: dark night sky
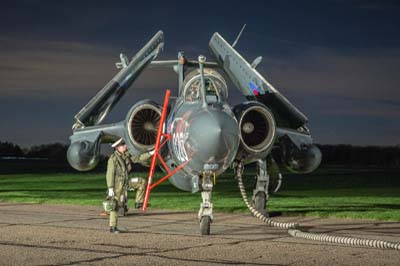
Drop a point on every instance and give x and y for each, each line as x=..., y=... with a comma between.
x=337, y=61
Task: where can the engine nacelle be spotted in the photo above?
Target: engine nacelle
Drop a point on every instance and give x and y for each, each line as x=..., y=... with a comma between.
x=141, y=126
x=257, y=130
x=84, y=155
x=139, y=130
x=300, y=160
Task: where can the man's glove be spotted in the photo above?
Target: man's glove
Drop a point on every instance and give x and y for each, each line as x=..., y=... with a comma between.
x=111, y=192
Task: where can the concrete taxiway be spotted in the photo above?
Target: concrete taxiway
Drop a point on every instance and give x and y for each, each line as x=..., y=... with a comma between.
x=34, y=234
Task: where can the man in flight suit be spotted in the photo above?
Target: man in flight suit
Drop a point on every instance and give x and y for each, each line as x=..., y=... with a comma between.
x=118, y=167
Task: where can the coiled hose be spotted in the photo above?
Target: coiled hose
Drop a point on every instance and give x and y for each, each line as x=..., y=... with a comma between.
x=294, y=228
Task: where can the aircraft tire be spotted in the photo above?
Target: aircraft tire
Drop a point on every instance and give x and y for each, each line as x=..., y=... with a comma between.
x=205, y=224
x=260, y=203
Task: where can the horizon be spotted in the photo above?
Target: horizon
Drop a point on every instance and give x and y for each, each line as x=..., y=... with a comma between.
x=321, y=144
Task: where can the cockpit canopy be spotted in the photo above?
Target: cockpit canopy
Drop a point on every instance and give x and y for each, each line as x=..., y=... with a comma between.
x=216, y=89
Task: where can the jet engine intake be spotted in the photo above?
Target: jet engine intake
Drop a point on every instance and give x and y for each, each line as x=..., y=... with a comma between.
x=142, y=123
x=257, y=127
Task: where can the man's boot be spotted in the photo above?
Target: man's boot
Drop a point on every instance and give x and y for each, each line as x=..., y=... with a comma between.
x=114, y=230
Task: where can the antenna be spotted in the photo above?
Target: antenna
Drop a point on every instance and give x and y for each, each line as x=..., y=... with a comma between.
x=240, y=34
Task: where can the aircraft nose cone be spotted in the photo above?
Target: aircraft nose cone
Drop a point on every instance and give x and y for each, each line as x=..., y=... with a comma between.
x=213, y=139
x=206, y=129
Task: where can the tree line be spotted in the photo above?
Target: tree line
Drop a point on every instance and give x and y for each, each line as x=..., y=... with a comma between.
x=386, y=156
x=53, y=151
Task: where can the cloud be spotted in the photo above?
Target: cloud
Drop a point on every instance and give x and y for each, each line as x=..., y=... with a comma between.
x=371, y=74
x=349, y=107
x=31, y=68
x=78, y=70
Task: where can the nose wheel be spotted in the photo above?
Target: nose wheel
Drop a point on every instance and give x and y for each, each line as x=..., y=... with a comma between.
x=205, y=224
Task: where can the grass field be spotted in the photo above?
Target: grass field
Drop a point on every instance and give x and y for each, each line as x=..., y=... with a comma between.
x=329, y=192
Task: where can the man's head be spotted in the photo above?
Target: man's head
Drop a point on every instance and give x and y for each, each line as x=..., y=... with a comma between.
x=122, y=148
x=120, y=145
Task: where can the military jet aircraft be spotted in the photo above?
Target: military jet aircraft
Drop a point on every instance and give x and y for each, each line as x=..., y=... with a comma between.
x=207, y=134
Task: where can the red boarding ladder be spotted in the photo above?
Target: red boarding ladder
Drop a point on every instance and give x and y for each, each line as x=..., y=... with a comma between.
x=156, y=155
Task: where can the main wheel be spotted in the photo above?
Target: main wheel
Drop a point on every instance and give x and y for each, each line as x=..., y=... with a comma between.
x=260, y=203
x=205, y=225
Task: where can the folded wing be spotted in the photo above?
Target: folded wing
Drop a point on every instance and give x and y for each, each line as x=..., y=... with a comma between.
x=100, y=105
x=254, y=86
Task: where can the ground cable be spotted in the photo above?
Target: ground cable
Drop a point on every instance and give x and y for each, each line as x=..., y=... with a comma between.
x=294, y=228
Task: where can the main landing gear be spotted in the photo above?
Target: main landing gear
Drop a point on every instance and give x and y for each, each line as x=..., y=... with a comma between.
x=260, y=192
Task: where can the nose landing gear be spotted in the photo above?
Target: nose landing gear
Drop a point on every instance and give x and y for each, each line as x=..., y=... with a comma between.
x=205, y=212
